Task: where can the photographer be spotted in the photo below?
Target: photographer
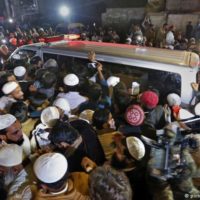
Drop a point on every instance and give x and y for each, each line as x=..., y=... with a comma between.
x=170, y=168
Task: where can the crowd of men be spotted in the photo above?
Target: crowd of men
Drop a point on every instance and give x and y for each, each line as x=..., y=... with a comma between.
x=145, y=34
x=78, y=133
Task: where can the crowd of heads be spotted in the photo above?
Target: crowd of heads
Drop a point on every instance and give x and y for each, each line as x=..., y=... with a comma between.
x=79, y=132
x=141, y=34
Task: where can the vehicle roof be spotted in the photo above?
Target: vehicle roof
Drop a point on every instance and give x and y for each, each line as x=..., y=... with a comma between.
x=183, y=58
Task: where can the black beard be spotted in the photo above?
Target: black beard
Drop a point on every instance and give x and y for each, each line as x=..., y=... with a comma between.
x=19, y=142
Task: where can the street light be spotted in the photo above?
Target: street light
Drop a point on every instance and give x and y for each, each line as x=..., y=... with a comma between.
x=10, y=20
x=64, y=11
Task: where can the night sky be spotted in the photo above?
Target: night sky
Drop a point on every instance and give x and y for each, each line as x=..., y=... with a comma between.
x=86, y=9
x=81, y=10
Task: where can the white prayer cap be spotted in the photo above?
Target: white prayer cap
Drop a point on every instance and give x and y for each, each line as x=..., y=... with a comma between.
x=50, y=63
x=197, y=109
x=49, y=116
x=63, y=104
x=10, y=155
x=135, y=84
x=50, y=167
x=135, y=147
x=185, y=114
x=9, y=87
x=19, y=71
x=173, y=99
x=71, y=80
x=87, y=115
x=113, y=81
x=6, y=121
x=16, y=57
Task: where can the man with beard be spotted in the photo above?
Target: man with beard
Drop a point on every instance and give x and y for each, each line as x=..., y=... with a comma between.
x=13, y=176
x=12, y=93
x=11, y=133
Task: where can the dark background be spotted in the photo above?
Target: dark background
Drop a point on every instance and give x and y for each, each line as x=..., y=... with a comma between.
x=81, y=10
x=85, y=10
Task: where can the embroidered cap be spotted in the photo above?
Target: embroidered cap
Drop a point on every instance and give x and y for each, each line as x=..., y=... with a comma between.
x=134, y=115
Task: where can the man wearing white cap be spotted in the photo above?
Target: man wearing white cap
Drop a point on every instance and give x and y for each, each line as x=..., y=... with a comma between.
x=129, y=150
x=71, y=82
x=51, y=170
x=178, y=113
x=19, y=72
x=12, y=93
x=63, y=107
x=11, y=132
x=129, y=156
x=39, y=138
x=16, y=181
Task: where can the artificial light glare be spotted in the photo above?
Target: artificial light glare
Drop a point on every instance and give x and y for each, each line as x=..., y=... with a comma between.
x=3, y=41
x=64, y=11
x=10, y=20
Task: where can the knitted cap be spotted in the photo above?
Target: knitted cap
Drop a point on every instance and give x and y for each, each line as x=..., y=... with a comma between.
x=149, y=99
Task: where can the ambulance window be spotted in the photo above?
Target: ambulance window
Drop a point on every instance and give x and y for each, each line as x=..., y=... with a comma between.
x=47, y=56
x=164, y=82
x=66, y=63
x=80, y=61
x=63, y=61
x=29, y=53
x=71, y=63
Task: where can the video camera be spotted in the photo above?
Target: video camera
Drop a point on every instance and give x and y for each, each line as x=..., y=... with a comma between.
x=168, y=160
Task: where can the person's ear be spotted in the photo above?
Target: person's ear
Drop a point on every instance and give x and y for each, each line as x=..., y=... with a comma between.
x=3, y=138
